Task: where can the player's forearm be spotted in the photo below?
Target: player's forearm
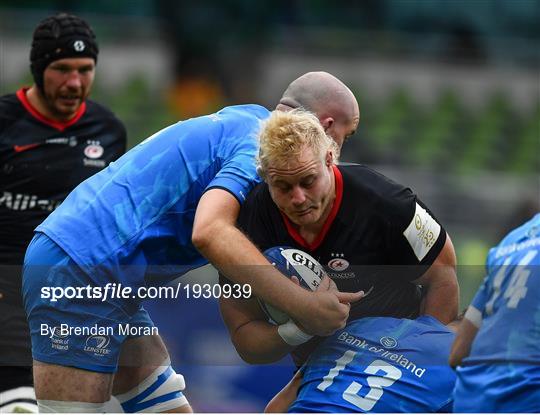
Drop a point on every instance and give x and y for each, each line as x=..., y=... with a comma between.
x=217, y=238
x=442, y=298
x=258, y=342
x=459, y=351
x=235, y=256
x=465, y=336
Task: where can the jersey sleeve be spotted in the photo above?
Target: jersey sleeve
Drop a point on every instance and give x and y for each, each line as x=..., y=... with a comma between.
x=247, y=217
x=237, y=151
x=414, y=235
x=417, y=235
x=476, y=310
x=257, y=220
x=481, y=297
x=237, y=176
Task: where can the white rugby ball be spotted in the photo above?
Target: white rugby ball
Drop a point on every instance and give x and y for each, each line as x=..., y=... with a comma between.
x=292, y=262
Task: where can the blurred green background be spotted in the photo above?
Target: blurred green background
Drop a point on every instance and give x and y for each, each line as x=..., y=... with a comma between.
x=448, y=90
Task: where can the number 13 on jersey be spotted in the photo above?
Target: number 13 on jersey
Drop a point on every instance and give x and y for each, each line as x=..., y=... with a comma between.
x=380, y=375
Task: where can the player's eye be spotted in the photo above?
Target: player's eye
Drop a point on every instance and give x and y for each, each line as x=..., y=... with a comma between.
x=61, y=69
x=85, y=70
x=308, y=182
x=284, y=187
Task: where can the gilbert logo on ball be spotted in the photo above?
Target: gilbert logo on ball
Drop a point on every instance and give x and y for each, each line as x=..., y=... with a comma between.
x=292, y=262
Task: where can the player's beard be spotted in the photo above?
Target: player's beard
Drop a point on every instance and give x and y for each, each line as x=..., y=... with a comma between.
x=65, y=104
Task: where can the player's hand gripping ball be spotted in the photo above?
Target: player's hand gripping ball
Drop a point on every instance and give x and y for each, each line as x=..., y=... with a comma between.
x=292, y=262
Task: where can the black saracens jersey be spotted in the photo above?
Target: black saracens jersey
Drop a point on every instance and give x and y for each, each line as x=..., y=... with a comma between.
x=378, y=238
x=41, y=161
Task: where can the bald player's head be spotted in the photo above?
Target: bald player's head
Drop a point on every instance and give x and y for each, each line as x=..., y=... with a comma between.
x=329, y=98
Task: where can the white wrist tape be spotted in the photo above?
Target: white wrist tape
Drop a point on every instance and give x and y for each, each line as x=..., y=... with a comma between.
x=291, y=334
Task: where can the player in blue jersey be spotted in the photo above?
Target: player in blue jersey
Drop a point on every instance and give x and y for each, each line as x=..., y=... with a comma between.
x=167, y=206
x=376, y=364
x=497, y=347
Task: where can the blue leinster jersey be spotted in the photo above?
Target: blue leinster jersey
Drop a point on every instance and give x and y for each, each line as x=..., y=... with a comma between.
x=502, y=372
x=139, y=211
x=380, y=364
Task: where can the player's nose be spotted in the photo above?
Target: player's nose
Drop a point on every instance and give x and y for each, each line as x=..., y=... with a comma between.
x=74, y=80
x=297, y=195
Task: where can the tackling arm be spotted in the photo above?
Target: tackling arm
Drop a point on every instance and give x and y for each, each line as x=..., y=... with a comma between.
x=226, y=247
x=255, y=340
x=465, y=336
x=442, y=296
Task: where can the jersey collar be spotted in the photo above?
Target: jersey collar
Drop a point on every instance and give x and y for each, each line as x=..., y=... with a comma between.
x=59, y=125
x=329, y=220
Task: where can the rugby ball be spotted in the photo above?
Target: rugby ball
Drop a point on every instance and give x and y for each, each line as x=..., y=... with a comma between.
x=292, y=262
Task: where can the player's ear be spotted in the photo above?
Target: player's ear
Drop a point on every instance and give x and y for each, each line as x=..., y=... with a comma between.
x=329, y=159
x=327, y=123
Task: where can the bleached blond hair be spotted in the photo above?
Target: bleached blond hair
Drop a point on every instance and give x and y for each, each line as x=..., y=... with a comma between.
x=284, y=135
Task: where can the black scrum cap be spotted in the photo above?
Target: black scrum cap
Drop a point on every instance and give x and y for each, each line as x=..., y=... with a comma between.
x=58, y=37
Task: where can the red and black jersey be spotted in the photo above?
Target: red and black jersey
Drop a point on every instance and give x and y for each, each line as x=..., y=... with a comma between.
x=41, y=161
x=378, y=238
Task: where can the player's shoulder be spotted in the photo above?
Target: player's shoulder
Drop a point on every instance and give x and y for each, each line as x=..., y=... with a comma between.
x=365, y=177
x=522, y=238
x=430, y=324
x=382, y=193
x=8, y=100
x=366, y=324
x=245, y=111
x=232, y=121
x=97, y=113
x=11, y=110
x=433, y=336
x=95, y=109
x=232, y=131
x=10, y=106
x=528, y=230
x=420, y=325
x=237, y=117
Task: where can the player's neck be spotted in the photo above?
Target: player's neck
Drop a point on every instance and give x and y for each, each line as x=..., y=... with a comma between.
x=38, y=101
x=310, y=232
